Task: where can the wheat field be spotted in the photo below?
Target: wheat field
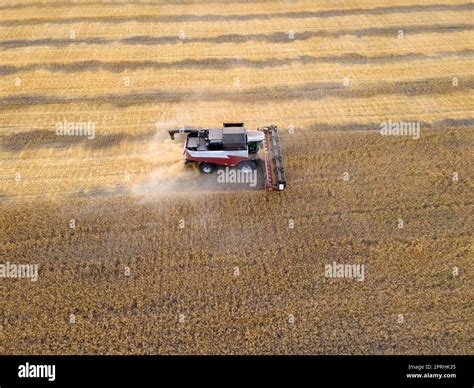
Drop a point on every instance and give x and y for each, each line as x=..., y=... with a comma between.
x=138, y=254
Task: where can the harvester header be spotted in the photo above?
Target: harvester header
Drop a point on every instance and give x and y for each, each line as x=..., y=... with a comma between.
x=274, y=171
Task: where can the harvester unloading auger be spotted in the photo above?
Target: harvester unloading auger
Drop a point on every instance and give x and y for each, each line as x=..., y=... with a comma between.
x=235, y=146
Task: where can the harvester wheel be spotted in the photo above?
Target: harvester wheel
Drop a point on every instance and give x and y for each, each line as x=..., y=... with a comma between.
x=207, y=168
x=247, y=166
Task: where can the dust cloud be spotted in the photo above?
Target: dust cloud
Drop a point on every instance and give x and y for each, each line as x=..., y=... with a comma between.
x=170, y=175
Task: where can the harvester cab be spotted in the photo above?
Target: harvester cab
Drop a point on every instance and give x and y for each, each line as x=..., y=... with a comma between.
x=235, y=146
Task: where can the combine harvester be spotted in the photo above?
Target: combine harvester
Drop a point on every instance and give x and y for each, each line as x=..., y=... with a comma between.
x=234, y=146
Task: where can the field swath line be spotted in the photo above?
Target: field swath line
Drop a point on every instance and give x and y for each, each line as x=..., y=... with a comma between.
x=308, y=91
x=277, y=37
x=225, y=63
x=239, y=17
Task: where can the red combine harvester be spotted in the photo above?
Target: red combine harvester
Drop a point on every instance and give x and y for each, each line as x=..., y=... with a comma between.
x=234, y=146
